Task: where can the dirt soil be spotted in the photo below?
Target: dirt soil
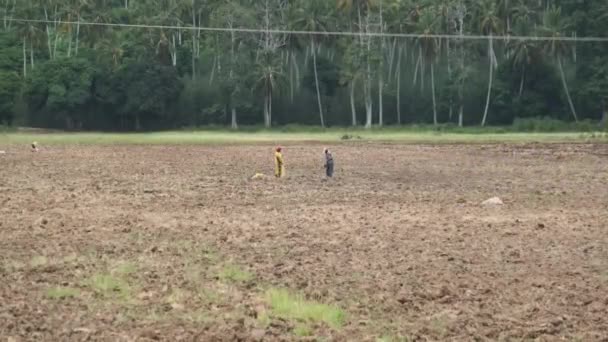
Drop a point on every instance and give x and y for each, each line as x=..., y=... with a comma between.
x=178, y=243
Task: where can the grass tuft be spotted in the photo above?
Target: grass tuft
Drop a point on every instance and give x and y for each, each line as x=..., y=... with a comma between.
x=289, y=306
x=38, y=261
x=124, y=269
x=62, y=293
x=233, y=273
x=302, y=331
x=108, y=286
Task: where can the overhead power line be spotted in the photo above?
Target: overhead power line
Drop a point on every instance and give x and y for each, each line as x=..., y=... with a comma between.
x=317, y=33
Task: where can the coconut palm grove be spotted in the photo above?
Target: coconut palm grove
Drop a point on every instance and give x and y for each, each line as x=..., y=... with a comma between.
x=127, y=65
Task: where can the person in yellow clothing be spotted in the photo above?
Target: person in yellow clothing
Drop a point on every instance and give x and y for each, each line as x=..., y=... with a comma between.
x=279, y=164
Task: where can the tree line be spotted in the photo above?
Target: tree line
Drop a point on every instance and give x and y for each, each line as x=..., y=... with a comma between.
x=72, y=69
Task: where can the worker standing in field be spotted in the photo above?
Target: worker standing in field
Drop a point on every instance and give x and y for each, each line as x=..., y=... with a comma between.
x=329, y=163
x=279, y=163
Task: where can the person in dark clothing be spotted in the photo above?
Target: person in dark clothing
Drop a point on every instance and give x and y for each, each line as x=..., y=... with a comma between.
x=329, y=163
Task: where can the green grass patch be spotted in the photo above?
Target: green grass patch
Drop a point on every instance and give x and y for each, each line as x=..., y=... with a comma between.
x=410, y=134
x=302, y=330
x=39, y=261
x=62, y=293
x=124, y=269
x=107, y=285
x=286, y=305
x=233, y=273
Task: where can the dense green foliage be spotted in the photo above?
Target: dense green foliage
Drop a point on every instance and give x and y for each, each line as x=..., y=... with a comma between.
x=61, y=74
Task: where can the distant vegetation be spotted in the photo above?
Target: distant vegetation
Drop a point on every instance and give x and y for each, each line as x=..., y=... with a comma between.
x=66, y=75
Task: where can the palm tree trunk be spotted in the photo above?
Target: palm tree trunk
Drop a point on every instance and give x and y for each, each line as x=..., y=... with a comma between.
x=353, y=109
x=55, y=43
x=368, y=104
x=296, y=69
x=77, y=36
x=460, y=115
x=433, y=93
x=416, y=68
x=485, y=112
x=194, y=40
x=212, y=71
x=32, y=54
x=234, y=124
x=449, y=61
x=174, y=51
x=48, y=34
x=422, y=67
x=391, y=59
x=380, y=97
x=314, y=63
x=270, y=105
x=521, y=82
x=70, y=42
x=266, y=112
x=563, y=76
x=368, y=89
x=291, y=72
x=24, y=58
x=399, y=87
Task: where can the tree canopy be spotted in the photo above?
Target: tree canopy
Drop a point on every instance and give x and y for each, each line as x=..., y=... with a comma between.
x=74, y=68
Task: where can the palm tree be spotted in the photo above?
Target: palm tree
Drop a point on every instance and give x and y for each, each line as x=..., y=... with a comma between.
x=429, y=46
x=74, y=12
x=31, y=34
x=313, y=15
x=489, y=25
x=554, y=26
x=521, y=52
x=358, y=53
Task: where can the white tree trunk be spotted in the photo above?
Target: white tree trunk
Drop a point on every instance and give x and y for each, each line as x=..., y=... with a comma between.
x=126, y=4
x=368, y=105
x=233, y=124
x=422, y=69
x=433, y=93
x=391, y=60
x=353, y=108
x=266, y=111
x=449, y=77
x=491, y=79
x=77, y=36
x=563, y=76
x=417, y=68
x=270, y=106
x=291, y=72
x=297, y=70
x=70, y=42
x=380, y=98
x=55, y=43
x=173, y=51
x=194, y=40
x=24, y=58
x=399, y=87
x=314, y=62
x=460, y=115
x=32, y=54
x=212, y=71
x=48, y=34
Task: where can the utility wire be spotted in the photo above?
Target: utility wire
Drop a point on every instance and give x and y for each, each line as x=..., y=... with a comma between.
x=318, y=33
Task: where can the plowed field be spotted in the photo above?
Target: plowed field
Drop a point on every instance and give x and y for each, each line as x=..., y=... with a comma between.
x=178, y=243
